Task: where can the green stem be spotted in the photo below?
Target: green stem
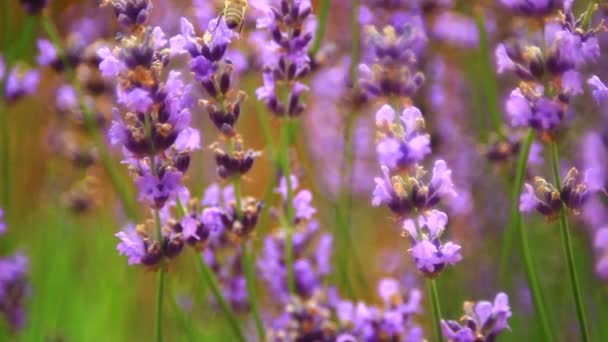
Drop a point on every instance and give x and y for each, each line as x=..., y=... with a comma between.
x=509, y=234
x=211, y=280
x=568, y=250
x=321, y=26
x=435, y=308
x=5, y=153
x=12, y=52
x=533, y=282
x=289, y=211
x=119, y=185
x=160, y=283
x=488, y=75
x=6, y=24
x=249, y=276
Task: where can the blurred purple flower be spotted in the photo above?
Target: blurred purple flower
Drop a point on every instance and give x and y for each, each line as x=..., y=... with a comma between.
x=19, y=84
x=2, y=222
x=47, y=53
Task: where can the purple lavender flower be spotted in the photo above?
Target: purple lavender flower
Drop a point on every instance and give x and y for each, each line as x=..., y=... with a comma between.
x=155, y=191
x=48, y=54
x=311, y=262
x=66, y=98
x=535, y=8
x=131, y=245
x=429, y=253
x=574, y=193
x=2, y=222
x=600, y=243
x=20, y=83
x=534, y=110
x=14, y=287
x=152, y=125
x=600, y=91
x=402, y=194
x=290, y=27
x=483, y=321
x=393, y=73
x=456, y=29
x=131, y=13
x=402, y=142
x=301, y=201
x=310, y=318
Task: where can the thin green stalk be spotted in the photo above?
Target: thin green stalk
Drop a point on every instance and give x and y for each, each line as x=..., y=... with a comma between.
x=289, y=210
x=210, y=279
x=488, y=75
x=509, y=234
x=435, y=308
x=345, y=200
x=6, y=159
x=249, y=276
x=117, y=181
x=568, y=251
x=12, y=52
x=6, y=24
x=533, y=282
x=321, y=26
x=160, y=283
x=247, y=257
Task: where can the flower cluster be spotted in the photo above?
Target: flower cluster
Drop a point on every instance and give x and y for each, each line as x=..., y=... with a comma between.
x=326, y=317
x=403, y=195
x=402, y=143
x=18, y=81
x=429, y=253
x=290, y=26
x=14, y=285
x=534, y=8
x=311, y=248
x=573, y=194
x=483, y=321
x=153, y=128
x=223, y=252
x=392, y=72
x=550, y=71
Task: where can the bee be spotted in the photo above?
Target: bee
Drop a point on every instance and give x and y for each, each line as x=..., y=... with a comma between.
x=234, y=13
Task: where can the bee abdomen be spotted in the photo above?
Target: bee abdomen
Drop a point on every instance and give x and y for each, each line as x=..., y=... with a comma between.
x=234, y=15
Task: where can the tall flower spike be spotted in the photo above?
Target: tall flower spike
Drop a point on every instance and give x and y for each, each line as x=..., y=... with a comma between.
x=152, y=125
x=290, y=26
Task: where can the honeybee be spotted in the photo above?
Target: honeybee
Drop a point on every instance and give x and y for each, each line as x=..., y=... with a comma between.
x=234, y=13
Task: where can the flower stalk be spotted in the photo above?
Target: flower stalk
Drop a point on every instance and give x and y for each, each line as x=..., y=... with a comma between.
x=289, y=213
x=568, y=251
x=435, y=308
x=210, y=279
